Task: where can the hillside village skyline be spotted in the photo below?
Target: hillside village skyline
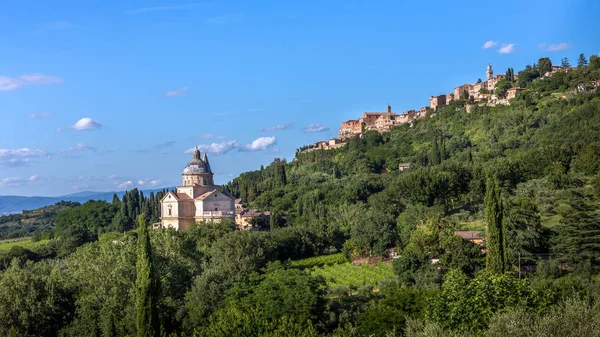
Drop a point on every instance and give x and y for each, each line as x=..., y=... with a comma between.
x=479, y=93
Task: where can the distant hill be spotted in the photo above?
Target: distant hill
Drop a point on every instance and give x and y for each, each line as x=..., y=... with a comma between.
x=13, y=204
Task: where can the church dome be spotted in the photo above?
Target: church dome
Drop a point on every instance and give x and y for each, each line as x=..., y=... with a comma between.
x=197, y=165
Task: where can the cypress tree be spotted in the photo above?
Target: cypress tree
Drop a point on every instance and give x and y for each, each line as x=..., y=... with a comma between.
x=116, y=201
x=435, y=153
x=146, y=285
x=495, y=231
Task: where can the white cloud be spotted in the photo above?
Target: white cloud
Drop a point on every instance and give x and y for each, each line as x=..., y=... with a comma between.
x=126, y=184
x=489, y=44
x=112, y=177
x=20, y=157
x=259, y=144
x=176, y=92
x=81, y=187
x=42, y=115
x=86, y=124
x=14, y=83
x=216, y=148
x=33, y=178
x=507, y=48
x=277, y=128
x=152, y=182
x=162, y=8
x=316, y=128
x=10, y=182
x=206, y=136
x=554, y=47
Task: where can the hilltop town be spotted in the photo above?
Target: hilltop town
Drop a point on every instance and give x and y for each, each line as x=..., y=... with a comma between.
x=486, y=92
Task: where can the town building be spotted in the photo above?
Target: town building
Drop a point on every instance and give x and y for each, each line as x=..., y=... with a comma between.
x=251, y=219
x=437, y=101
x=197, y=199
x=512, y=92
x=350, y=128
x=403, y=166
x=473, y=236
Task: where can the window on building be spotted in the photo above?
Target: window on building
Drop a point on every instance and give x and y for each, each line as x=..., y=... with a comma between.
x=170, y=210
x=216, y=208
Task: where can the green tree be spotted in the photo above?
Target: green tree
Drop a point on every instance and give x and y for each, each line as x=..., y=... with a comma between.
x=564, y=63
x=146, y=285
x=578, y=234
x=581, y=61
x=544, y=65
x=35, y=300
x=495, y=230
x=466, y=306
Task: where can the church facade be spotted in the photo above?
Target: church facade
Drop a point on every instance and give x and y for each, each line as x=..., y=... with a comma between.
x=197, y=199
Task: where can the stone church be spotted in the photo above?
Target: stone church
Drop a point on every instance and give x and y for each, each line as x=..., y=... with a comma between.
x=197, y=199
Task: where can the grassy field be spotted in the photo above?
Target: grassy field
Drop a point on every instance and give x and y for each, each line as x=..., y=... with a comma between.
x=347, y=275
x=8, y=244
x=318, y=261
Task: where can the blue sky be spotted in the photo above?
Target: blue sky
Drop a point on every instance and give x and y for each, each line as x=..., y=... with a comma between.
x=108, y=95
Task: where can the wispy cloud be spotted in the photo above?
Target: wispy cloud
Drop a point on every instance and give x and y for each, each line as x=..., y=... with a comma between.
x=42, y=115
x=52, y=26
x=507, y=48
x=176, y=92
x=224, y=20
x=277, y=128
x=14, y=83
x=163, y=8
x=11, y=182
x=554, y=47
x=316, y=128
x=489, y=44
x=81, y=187
x=20, y=157
x=112, y=177
x=126, y=184
x=82, y=147
x=158, y=147
x=206, y=136
x=18, y=181
x=148, y=182
x=86, y=124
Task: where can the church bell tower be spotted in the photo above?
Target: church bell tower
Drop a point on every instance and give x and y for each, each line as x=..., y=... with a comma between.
x=489, y=72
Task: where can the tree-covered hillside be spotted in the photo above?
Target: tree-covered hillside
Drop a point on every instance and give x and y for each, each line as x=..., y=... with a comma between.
x=526, y=176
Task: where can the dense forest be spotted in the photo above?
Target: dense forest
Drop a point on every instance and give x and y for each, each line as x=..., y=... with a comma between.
x=526, y=176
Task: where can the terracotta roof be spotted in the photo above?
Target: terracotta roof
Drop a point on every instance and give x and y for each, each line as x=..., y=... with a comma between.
x=252, y=212
x=183, y=196
x=238, y=201
x=469, y=234
x=203, y=196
